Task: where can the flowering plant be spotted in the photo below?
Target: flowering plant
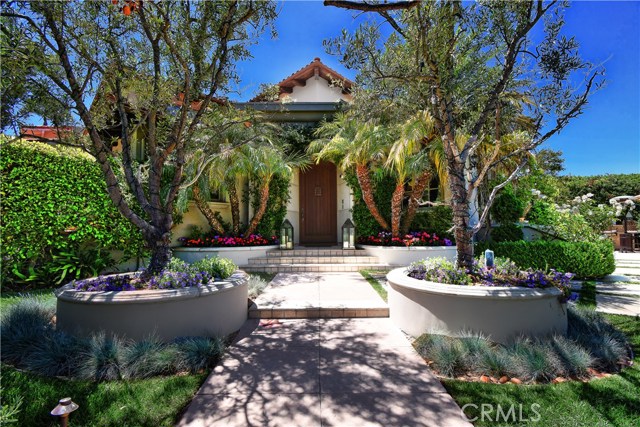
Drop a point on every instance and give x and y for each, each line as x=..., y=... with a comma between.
x=504, y=273
x=228, y=241
x=414, y=238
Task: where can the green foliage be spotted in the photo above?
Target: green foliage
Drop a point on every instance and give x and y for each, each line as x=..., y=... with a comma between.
x=148, y=358
x=199, y=353
x=507, y=232
x=435, y=219
x=256, y=286
x=507, y=207
x=216, y=267
x=541, y=213
x=276, y=205
x=23, y=326
x=45, y=191
x=584, y=259
x=103, y=358
x=603, y=187
x=383, y=188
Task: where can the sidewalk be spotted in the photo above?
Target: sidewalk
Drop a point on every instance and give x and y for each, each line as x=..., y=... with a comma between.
x=322, y=372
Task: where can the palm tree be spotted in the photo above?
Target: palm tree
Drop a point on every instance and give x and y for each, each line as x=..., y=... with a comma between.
x=348, y=143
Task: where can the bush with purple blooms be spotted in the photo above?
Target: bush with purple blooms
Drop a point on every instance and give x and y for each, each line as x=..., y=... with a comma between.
x=414, y=238
x=177, y=275
x=504, y=273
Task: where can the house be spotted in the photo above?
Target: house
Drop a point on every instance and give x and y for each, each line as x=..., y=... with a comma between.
x=48, y=134
x=320, y=199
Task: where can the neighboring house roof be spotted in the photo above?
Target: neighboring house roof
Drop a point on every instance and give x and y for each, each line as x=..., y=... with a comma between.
x=300, y=77
x=44, y=133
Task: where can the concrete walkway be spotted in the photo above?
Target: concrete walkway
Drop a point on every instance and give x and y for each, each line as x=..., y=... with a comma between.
x=322, y=372
x=619, y=293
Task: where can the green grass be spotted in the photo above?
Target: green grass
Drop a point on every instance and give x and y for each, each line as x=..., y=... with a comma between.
x=603, y=402
x=150, y=402
x=375, y=284
x=9, y=298
x=587, y=295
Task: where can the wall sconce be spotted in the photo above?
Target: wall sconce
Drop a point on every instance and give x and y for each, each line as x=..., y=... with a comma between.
x=348, y=235
x=286, y=235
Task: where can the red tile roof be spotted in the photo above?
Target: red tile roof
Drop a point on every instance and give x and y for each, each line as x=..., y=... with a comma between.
x=44, y=133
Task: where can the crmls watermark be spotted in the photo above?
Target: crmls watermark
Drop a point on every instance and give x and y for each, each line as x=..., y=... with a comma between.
x=498, y=413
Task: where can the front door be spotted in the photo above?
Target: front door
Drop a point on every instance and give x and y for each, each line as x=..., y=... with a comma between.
x=318, y=205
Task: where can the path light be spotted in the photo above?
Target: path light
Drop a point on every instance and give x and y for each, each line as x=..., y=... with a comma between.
x=489, y=259
x=64, y=408
x=628, y=217
x=286, y=235
x=348, y=235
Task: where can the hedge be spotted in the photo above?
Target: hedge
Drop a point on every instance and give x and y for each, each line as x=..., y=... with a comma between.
x=587, y=260
x=55, y=210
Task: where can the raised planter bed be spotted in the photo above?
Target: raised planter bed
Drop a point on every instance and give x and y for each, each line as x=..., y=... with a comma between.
x=239, y=255
x=419, y=306
x=405, y=255
x=218, y=309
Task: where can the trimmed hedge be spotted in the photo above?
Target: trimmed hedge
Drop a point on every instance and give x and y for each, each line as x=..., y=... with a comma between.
x=57, y=218
x=586, y=260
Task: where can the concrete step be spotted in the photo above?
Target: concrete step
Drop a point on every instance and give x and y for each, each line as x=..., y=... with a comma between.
x=316, y=252
x=313, y=267
x=314, y=260
x=316, y=312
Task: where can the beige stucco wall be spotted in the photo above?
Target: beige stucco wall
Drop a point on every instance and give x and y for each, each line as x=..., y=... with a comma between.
x=345, y=203
x=293, y=207
x=193, y=217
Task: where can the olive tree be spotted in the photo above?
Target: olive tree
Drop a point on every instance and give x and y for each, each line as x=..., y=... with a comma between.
x=150, y=68
x=487, y=72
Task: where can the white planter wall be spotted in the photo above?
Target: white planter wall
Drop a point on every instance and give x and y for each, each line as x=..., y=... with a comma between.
x=240, y=256
x=402, y=255
x=419, y=306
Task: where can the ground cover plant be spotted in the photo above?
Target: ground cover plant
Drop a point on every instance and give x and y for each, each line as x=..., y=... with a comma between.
x=178, y=274
x=213, y=240
x=504, y=273
x=607, y=401
x=591, y=346
x=413, y=238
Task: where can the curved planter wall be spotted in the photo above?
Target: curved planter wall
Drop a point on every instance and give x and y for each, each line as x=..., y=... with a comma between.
x=212, y=310
x=402, y=255
x=239, y=255
x=419, y=306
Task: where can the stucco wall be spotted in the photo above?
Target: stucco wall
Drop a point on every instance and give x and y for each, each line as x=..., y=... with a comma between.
x=345, y=203
x=293, y=208
x=316, y=89
x=193, y=216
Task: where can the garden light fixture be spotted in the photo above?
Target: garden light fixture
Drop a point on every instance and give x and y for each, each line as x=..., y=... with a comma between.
x=65, y=407
x=489, y=259
x=348, y=235
x=286, y=235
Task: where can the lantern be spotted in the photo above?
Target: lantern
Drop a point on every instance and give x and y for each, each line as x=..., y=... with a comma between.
x=489, y=259
x=348, y=235
x=286, y=235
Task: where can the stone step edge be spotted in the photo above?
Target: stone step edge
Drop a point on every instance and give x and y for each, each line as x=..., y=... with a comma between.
x=318, y=260
x=314, y=268
x=317, y=313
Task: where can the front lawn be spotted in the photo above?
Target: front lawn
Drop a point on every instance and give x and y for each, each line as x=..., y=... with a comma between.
x=602, y=402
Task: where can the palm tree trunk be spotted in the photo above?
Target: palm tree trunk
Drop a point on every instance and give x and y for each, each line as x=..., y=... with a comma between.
x=264, y=197
x=367, y=195
x=416, y=194
x=206, y=211
x=234, y=201
x=396, y=208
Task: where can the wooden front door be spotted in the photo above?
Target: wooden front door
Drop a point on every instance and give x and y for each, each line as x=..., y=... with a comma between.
x=318, y=205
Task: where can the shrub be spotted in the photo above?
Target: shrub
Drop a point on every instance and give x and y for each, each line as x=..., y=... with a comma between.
x=23, y=327
x=215, y=267
x=383, y=188
x=436, y=219
x=199, y=353
x=56, y=354
x=279, y=196
x=55, y=205
x=102, y=359
x=576, y=360
x=585, y=259
x=149, y=358
x=533, y=360
x=414, y=238
x=446, y=353
x=507, y=207
x=507, y=232
x=212, y=241
x=256, y=285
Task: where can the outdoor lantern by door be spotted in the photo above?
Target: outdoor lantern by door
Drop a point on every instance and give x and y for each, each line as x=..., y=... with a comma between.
x=286, y=235
x=348, y=235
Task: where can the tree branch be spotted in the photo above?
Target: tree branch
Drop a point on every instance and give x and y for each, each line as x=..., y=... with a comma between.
x=369, y=7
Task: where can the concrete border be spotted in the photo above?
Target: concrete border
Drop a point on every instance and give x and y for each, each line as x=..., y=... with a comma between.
x=217, y=309
x=239, y=255
x=405, y=255
x=419, y=306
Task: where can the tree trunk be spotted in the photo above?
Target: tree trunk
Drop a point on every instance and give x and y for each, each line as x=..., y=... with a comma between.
x=264, y=197
x=206, y=211
x=462, y=230
x=416, y=194
x=396, y=208
x=234, y=201
x=367, y=195
x=160, y=254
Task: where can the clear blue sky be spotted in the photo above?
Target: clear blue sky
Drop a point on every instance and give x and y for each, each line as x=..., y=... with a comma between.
x=605, y=139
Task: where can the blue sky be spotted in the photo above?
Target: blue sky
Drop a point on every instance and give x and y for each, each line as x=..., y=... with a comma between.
x=605, y=139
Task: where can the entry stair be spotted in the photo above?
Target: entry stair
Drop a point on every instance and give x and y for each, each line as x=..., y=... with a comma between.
x=314, y=260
